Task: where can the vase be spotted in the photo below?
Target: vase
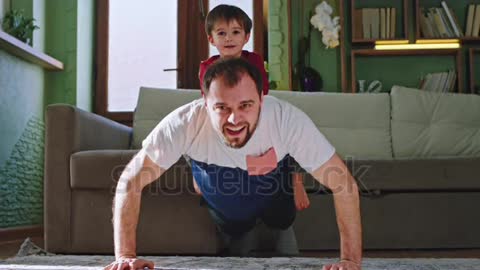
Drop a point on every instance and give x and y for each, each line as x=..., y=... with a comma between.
x=310, y=80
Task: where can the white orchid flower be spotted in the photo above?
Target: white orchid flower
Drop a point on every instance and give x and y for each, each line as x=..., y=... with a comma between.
x=324, y=7
x=329, y=27
x=320, y=22
x=333, y=43
x=336, y=20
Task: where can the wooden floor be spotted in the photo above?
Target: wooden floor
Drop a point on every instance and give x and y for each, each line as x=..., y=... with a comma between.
x=9, y=249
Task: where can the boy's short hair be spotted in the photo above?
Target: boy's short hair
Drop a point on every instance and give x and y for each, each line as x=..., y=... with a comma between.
x=230, y=71
x=227, y=13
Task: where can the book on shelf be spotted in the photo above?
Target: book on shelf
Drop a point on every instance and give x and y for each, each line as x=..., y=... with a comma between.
x=383, y=24
x=439, y=81
x=476, y=22
x=469, y=22
x=366, y=23
x=426, y=26
x=457, y=23
x=451, y=19
x=439, y=23
x=393, y=22
x=446, y=23
x=374, y=23
x=387, y=22
x=431, y=21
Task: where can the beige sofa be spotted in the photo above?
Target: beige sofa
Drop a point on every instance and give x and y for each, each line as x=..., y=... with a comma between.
x=416, y=156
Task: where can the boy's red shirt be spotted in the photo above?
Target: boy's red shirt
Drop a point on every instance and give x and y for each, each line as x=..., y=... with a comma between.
x=251, y=57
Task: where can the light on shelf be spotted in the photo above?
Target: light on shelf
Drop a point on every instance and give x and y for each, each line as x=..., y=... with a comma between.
x=391, y=42
x=436, y=41
x=418, y=46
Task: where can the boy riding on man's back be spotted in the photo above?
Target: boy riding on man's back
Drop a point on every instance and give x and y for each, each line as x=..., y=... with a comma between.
x=228, y=29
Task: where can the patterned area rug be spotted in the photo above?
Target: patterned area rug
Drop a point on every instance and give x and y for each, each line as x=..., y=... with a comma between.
x=36, y=262
x=31, y=257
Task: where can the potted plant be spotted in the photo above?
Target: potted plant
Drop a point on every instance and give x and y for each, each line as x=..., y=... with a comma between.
x=16, y=24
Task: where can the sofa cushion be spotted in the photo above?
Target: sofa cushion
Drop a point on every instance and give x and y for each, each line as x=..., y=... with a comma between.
x=167, y=225
x=428, y=124
x=455, y=174
x=100, y=169
x=358, y=125
x=153, y=105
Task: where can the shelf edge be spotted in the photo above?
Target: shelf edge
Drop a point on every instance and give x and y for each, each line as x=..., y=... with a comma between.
x=26, y=52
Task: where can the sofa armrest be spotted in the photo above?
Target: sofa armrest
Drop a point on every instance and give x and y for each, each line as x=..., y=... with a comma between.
x=69, y=130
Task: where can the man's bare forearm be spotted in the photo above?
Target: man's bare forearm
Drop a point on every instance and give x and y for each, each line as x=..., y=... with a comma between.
x=335, y=175
x=138, y=173
x=347, y=207
x=125, y=219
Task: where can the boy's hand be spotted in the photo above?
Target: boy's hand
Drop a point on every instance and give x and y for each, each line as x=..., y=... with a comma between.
x=299, y=194
x=123, y=263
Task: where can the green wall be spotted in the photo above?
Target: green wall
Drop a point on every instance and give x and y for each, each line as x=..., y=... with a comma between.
x=70, y=37
x=278, y=45
x=66, y=33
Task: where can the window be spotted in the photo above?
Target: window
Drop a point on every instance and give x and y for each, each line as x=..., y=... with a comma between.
x=140, y=48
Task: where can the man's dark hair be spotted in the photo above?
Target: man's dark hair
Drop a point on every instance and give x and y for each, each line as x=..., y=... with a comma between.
x=227, y=13
x=230, y=71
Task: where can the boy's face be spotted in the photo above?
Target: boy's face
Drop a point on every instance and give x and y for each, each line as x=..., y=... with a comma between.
x=234, y=111
x=229, y=38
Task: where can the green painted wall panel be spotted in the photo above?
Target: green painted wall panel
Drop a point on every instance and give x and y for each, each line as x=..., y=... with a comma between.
x=61, y=40
x=25, y=5
x=278, y=38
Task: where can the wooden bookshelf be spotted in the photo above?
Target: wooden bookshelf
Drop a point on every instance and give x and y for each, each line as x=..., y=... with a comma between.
x=26, y=52
x=459, y=8
x=401, y=19
x=456, y=53
x=474, y=53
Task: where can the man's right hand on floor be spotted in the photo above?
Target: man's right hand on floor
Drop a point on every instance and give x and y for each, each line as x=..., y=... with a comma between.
x=129, y=264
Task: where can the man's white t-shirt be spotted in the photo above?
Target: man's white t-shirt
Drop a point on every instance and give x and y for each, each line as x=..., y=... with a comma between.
x=239, y=182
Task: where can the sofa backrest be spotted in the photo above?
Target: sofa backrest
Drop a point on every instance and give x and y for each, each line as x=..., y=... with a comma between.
x=357, y=125
x=153, y=105
x=428, y=124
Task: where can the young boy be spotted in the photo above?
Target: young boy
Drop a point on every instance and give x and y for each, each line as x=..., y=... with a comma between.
x=228, y=29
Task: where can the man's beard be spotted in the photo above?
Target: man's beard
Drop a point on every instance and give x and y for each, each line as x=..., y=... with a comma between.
x=235, y=142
